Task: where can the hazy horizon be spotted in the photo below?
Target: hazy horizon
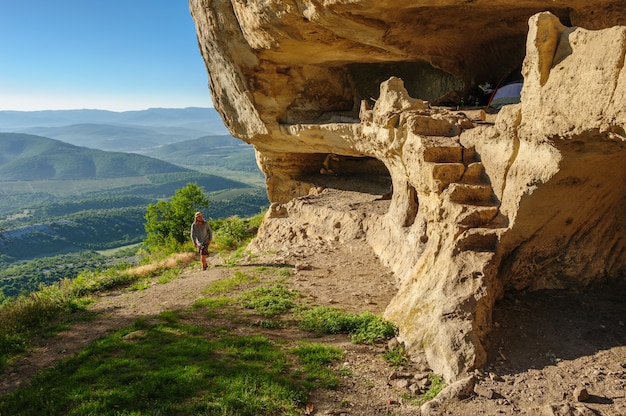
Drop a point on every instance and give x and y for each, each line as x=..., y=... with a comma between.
x=112, y=111
x=117, y=56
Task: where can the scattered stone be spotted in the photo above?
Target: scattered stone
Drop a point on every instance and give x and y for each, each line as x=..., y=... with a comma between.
x=566, y=409
x=420, y=376
x=402, y=383
x=483, y=391
x=393, y=375
x=495, y=377
x=423, y=383
x=393, y=343
x=581, y=394
x=303, y=266
x=415, y=388
x=460, y=389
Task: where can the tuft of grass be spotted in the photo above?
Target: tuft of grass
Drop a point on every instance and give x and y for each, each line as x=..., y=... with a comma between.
x=269, y=324
x=396, y=356
x=141, y=285
x=316, y=359
x=229, y=284
x=269, y=301
x=285, y=272
x=365, y=328
x=213, y=303
x=436, y=385
x=168, y=275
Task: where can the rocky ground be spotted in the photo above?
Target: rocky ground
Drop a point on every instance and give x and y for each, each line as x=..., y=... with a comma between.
x=551, y=353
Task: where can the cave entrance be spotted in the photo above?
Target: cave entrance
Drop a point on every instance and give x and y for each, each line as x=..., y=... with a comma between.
x=364, y=175
x=421, y=79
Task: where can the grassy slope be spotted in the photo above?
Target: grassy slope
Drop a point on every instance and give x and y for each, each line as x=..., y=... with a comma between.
x=27, y=157
x=209, y=151
x=206, y=359
x=220, y=155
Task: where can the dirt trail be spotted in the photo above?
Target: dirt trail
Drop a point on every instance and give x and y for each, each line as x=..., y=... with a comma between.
x=545, y=344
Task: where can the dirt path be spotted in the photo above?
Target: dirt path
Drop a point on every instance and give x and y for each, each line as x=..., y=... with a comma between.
x=545, y=344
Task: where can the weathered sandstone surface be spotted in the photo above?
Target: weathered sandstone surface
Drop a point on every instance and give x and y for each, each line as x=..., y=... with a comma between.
x=343, y=101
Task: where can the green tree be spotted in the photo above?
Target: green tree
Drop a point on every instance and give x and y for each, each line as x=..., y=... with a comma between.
x=170, y=221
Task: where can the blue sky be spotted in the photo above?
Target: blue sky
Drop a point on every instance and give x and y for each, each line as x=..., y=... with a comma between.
x=106, y=54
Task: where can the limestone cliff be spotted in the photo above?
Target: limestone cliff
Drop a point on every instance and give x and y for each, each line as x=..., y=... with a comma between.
x=345, y=103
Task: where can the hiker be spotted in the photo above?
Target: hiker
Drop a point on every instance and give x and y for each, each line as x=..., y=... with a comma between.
x=201, y=236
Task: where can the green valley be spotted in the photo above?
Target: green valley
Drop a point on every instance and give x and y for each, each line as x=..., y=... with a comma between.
x=66, y=208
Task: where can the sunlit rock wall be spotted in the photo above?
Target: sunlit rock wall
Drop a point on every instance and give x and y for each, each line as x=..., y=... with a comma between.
x=349, y=96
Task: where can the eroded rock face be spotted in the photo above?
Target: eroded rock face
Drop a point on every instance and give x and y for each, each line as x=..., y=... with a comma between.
x=341, y=100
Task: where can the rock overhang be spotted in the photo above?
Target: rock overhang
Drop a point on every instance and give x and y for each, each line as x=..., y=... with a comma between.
x=331, y=55
x=332, y=96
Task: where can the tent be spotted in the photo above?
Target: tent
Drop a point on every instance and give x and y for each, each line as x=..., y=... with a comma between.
x=506, y=94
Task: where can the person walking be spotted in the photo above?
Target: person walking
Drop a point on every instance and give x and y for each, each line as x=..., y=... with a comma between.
x=201, y=236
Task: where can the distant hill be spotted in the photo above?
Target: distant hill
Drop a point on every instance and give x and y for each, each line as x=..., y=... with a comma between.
x=119, y=138
x=209, y=151
x=207, y=120
x=127, y=131
x=28, y=157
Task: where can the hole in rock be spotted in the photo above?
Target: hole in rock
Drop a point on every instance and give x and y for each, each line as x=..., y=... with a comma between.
x=360, y=180
x=421, y=80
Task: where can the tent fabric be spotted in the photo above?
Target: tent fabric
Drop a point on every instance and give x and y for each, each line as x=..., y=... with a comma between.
x=507, y=94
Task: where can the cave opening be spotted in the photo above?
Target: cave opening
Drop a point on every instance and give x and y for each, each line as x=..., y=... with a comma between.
x=421, y=80
x=365, y=174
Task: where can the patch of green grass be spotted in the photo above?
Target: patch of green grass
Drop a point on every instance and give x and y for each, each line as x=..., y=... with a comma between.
x=140, y=285
x=269, y=301
x=365, y=328
x=213, y=303
x=280, y=271
x=396, y=356
x=230, y=233
x=269, y=324
x=170, y=316
x=229, y=284
x=168, y=369
x=436, y=385
x=168, y=275
x=316, y=359
x=284, y=272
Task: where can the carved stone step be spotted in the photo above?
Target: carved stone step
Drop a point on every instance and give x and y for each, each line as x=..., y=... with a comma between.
x=469, y=155
x=446, y=173
x=443, y=154
x=477, y=216
x=474, y=174
x=478, y=239
x=470, y=194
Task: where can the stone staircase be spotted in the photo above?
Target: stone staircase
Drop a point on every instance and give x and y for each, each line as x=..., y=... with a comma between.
x=460, y=177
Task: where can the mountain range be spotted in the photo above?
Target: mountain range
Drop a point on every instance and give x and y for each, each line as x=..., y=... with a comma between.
x=128, y=131
x=26, y=157
x=207, y=120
